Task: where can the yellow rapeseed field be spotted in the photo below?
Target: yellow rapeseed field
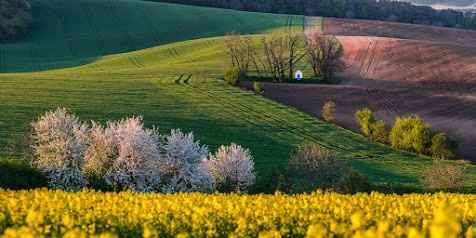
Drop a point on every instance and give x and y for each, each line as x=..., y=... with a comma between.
x=46, y=213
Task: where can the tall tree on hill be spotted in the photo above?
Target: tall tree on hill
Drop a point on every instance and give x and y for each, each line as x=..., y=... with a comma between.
x=282, y=53
x=324, y=54
x=241, y=51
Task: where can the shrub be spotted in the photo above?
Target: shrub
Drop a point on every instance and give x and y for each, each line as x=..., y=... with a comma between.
x=59, y=144
x=258, y=87
x=365, y=119
x=320, y=167
x=410, y=133
x=354, y=182
x=184, y=166
x=375, y=130
x=379, y=131
x=18, y=174
x=232, y=168
x=444, y=176
x=233, y=75
x=328, y=111
x=277, y=178
x=441, y=147
x=137, y=165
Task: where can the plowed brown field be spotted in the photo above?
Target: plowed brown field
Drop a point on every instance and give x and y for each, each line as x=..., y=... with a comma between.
x=426, y=63
x=348, y=27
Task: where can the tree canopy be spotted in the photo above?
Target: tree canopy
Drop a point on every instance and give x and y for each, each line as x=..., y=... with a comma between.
x=15, y=19
x=386, y=10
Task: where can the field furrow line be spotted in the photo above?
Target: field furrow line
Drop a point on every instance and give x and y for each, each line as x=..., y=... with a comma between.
x=236, y=110
x=273, y=120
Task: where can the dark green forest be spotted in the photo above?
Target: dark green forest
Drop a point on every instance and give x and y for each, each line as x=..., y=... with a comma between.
x=385, y=10
x=15, y=19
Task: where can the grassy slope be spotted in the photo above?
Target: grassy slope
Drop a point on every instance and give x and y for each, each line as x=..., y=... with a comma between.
x=175, y=86
x=69, y=33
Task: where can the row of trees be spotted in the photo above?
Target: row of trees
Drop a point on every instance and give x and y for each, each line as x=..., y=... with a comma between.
x=15, y=19
x=408, y=133
x=386, y=10
x=277, y=55
x=123, y=155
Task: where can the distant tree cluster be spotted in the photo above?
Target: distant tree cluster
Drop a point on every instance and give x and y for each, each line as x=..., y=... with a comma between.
x=386, y=10
x=408, y=133
x=15, y=19
x=277, y=55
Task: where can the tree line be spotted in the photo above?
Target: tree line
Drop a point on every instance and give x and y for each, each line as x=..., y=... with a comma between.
x=275, y=56
x=15, y=19
x=386, y=10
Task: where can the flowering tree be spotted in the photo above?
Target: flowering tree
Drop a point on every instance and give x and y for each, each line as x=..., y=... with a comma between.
x=232, y=168
x=59, y=143
x=125, y=155
x=132, y=158
x=183, y=166
x=102, y=150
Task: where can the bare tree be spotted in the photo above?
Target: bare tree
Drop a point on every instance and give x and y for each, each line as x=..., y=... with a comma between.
x=324, y=54
x=274, y=49
x=241, y=51
x=282, y=53
x=295, y=42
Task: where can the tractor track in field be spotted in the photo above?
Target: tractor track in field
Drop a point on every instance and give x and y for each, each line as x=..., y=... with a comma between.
x=136, y=62
x=239, y=109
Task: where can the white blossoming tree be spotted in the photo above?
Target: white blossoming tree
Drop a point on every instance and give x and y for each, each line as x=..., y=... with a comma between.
x=183, y=165
x=102, y=151
x=59, y=143
x=132, y=158
x=232, y=168
x=125, y=155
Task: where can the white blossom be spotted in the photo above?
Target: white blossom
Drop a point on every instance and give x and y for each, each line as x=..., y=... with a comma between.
x=183, y=165
x=232, y=168
x=102, y=151
x=138, y=156
x=59, y=144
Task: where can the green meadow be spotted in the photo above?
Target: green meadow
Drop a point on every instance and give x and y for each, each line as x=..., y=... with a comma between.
x=171, y=77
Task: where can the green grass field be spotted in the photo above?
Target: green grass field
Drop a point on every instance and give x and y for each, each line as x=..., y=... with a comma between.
x=70, y=33
x=172, y=86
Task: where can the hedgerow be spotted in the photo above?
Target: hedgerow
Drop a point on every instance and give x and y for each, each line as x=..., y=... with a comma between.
x=124, y=155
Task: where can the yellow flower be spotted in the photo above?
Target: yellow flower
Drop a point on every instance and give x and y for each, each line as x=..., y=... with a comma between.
x=44, y=213
x=35, y=218
x=316, y=231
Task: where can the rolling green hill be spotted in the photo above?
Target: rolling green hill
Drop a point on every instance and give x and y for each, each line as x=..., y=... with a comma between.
x=70, y=33
x=176, y=86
